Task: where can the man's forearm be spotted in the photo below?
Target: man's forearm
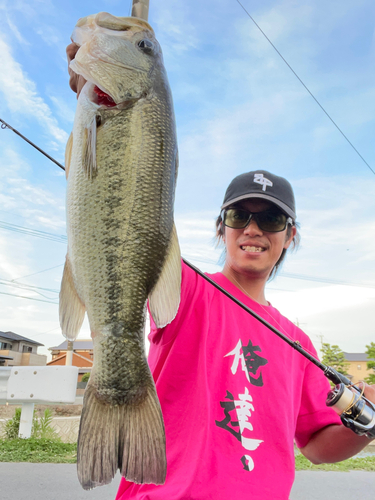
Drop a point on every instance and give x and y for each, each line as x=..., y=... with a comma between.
x=334, y=443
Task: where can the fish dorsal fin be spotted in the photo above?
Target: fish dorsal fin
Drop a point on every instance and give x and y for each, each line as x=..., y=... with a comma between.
x=68, y=154
x=165, y=297
x=89, y=149
x=71, y=308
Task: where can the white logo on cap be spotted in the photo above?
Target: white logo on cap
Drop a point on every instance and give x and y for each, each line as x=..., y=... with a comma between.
x=259, y=179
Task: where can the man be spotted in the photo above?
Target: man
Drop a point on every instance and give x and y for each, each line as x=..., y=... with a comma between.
x=235, y=396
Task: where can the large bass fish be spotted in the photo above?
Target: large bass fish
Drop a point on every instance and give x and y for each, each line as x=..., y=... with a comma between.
x=121, y=161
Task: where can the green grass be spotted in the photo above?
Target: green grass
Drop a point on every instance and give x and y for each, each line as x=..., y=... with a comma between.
x=37, y=451
x=361, y=463
x=51, y=451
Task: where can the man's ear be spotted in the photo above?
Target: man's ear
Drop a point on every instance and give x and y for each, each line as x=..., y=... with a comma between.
x=289, y=239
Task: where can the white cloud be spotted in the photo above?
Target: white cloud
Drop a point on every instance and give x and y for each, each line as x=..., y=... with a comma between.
x=21, y=94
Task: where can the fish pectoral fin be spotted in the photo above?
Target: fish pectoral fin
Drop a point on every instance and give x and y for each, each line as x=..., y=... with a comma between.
x=89, y=148
x=164, y=299
x=71, y=308
x=68, y=154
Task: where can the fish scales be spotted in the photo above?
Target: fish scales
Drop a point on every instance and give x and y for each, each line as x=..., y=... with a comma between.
x=122, y=247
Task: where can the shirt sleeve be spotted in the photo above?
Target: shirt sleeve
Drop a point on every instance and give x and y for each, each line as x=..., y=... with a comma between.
x=314, y=414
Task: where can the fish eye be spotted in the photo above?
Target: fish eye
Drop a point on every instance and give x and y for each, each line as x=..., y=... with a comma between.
x=146, y=46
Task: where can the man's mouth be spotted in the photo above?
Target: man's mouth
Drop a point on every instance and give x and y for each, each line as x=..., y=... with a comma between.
x=249, y=249
x=103, y=99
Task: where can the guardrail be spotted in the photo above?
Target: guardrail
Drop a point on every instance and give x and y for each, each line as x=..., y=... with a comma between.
x=30, y=385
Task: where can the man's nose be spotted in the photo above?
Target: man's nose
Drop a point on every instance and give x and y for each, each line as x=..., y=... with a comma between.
x=252, y=228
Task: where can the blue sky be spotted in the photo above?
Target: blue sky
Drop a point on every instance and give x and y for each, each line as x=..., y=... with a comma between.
x=238, y=107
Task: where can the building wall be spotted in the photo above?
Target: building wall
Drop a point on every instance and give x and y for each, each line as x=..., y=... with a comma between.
x=358, y=369
x=31, y=359
x=77, y=361
x=24, y=359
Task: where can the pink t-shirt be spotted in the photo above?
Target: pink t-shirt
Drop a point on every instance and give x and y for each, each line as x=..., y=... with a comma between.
x=234, y=397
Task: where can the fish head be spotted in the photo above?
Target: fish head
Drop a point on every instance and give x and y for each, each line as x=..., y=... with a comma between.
x=119, y=56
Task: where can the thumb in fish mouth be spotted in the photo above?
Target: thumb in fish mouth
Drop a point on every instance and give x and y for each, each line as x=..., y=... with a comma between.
x=76, y=81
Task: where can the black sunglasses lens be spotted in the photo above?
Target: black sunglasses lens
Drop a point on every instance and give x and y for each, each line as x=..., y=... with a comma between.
x=236, y=218
x=271, y=221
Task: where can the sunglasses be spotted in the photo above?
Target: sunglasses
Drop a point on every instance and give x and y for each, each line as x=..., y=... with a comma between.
x=271, y=221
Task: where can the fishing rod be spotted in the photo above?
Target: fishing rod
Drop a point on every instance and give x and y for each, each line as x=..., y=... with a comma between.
x=5, y=125
x=140, y=9
x=355, y=410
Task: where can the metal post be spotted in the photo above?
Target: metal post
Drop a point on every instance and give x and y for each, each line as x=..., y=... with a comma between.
x=69, y=354
x=140, y=9
x=26, y=422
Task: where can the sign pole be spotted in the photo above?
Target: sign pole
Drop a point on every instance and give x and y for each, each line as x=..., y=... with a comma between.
x=140, y=9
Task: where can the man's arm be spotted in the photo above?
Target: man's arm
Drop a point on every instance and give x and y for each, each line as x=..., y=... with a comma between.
x=335, y=443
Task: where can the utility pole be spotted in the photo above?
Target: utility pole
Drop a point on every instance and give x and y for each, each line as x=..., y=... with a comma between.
x=140, y=9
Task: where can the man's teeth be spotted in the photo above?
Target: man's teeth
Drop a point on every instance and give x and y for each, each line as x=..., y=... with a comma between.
x=252, y=249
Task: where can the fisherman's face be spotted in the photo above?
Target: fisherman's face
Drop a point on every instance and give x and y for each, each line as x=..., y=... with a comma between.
x=252, y=251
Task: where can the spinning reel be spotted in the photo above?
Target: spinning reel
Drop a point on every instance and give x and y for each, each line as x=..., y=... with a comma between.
x=356, y=412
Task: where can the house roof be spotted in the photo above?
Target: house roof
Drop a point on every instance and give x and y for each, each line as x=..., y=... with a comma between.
x=78, y=344
x=356, y=356
x=5, y=357
x=18, y=338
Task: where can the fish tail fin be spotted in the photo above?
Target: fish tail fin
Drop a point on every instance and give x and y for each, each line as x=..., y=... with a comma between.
x=128, y=437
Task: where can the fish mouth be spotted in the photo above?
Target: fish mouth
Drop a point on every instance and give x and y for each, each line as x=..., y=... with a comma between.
x=101, y=98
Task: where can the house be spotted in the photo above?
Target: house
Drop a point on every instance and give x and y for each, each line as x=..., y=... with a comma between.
x=357, y=368
x=16, y=350
x=83, y=355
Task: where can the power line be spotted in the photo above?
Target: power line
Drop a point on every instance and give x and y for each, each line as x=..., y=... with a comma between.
x=308, y=90
x=20, y=285
x=38, y=272
x=63, y=239
x=325, y=280
x=30, y=298
x=29, y=288
x=33, y=232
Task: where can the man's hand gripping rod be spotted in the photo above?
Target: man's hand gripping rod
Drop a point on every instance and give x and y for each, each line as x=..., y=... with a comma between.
x=356, y=412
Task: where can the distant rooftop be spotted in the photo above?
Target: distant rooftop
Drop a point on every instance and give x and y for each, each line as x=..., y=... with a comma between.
x=77, y=344
x=18, y=338
x=356, y=356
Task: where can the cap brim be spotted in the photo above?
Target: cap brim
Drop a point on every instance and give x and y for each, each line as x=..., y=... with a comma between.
x=273, y=200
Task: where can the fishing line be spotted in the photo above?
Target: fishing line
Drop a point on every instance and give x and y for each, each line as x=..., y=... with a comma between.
x=308, y=90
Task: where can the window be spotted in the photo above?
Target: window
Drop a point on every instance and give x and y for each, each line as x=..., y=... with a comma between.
x=5, y=345
x=27, y=348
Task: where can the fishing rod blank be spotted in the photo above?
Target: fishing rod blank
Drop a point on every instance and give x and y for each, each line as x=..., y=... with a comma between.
x=5, y=125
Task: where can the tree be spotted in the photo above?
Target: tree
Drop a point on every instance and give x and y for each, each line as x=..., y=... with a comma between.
x=370, y=351
x=333, y=356
x=85, y=377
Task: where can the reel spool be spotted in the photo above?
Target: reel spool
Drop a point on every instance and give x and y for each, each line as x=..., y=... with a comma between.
x=356, y=412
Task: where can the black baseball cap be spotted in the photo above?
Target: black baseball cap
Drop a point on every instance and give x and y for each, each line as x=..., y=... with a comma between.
x=264, y=185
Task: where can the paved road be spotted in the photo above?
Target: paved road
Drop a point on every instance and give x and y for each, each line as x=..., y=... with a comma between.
x=59, y=482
